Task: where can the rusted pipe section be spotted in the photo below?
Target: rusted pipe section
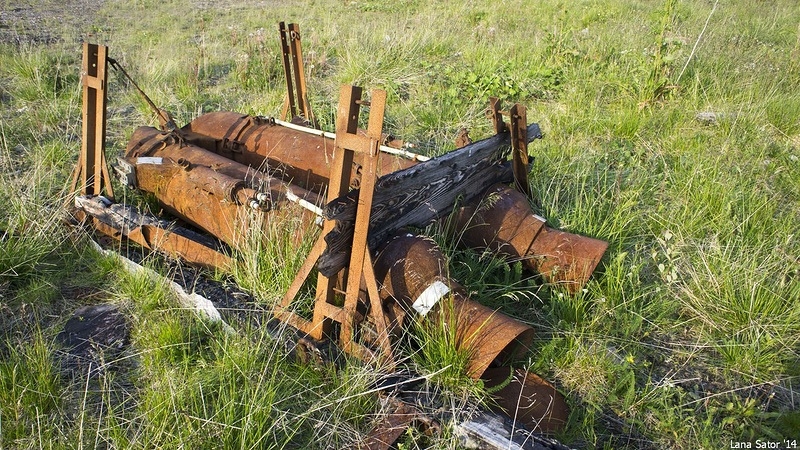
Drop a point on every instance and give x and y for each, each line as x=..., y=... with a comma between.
x=207, y=190
x=186, y=192
x=302, y=158
x=504, y=222
x=528, y=398
x=412, y=271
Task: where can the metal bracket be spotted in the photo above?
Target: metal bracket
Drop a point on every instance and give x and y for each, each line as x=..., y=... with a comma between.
x=360, y=267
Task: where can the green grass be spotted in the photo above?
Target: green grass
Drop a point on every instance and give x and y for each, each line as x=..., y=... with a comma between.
x=687, y=336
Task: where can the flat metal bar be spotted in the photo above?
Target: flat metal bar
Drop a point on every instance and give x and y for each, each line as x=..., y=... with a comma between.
x=496, y=116
x=356, y=142
x=519, y=148
x=100, y=119
x=283, y=311
x=296, y=51
x=377, y=313
x=287, y=70
x=89, y=123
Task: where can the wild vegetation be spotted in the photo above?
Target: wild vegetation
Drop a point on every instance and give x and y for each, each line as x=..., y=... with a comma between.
x=672, y=131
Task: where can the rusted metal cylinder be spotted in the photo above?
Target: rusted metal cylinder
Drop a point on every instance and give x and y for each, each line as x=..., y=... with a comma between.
x=504, y=222
x=302, y=158
x=412, y=270
x=528, y=398
x=211, y=206
x=207, y=190
x=150, y=142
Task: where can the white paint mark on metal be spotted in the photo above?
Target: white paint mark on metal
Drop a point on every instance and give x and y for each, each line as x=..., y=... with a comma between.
x=429, y=297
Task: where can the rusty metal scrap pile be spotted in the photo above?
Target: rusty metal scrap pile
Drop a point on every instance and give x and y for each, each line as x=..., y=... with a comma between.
x=223, y=169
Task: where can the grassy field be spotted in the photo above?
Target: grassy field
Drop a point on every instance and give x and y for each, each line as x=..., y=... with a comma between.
x=672, y=131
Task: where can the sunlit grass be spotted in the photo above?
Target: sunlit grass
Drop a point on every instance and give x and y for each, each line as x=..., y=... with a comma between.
x=686, y=336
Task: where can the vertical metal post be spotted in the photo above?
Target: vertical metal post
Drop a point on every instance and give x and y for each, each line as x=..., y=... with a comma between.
x=91, y=175
x=296, y=94
x=288, y=106
x=519, y=140
x=299, y=72
x=519, y=148
x=496, y=115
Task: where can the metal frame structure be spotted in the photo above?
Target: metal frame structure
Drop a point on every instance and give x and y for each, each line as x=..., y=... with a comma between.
x=90, y=176
x=296, y=101
x=360, y=267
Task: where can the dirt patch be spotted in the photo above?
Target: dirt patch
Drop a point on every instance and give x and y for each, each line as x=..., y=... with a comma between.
x=43, y=21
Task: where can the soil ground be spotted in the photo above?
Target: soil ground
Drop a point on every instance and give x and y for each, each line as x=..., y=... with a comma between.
x=33, y=21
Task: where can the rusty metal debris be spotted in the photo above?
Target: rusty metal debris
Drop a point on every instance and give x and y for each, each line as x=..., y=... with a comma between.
x=527, y=398
x=374, y=278
x=305, y=159
x=413, y=272
x=394, y=424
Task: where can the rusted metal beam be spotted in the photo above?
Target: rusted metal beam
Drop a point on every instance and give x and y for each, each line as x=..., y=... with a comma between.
x=519, y=148
x=121, y=221
x=289, y=105
x=496, y=115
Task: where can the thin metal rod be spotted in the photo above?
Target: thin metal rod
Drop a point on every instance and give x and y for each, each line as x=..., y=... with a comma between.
x=385, y=149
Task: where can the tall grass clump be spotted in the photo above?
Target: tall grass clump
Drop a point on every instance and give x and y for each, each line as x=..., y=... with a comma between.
x=271, y=251
x=30, y=391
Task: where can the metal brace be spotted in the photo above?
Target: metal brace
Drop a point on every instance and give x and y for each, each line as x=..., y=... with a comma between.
x=519, y=140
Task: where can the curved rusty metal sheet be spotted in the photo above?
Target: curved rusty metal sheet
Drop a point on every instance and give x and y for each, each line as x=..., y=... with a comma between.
x=504, y=222
x=412, y=270
x=527, y=398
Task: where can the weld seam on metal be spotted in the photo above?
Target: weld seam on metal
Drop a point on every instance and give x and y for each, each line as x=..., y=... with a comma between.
x=430, y=297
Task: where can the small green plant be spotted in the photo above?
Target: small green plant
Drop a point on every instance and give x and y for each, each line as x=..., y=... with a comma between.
x=658, y=83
